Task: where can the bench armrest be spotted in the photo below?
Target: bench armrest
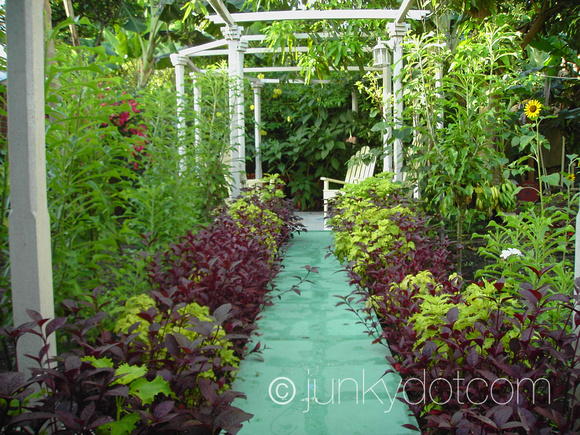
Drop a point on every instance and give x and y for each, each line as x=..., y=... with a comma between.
x=327, y=182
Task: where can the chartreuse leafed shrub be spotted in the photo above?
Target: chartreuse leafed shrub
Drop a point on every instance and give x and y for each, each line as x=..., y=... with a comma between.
x=243, y=211
x=364, y=203
x=492, y=357
x=472, y=305
x=378, y=228
x=380, y=234
x=190, y=315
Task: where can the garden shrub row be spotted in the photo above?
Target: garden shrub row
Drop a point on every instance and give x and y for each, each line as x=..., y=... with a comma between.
x=495, y=356
x=161, y=362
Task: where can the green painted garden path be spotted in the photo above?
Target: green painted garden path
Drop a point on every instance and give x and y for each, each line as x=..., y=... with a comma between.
x=319, y=365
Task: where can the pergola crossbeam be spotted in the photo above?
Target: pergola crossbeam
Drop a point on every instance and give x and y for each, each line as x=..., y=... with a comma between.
x=342, y=14
x=192, y=51
x=257, y=50
x=404, y=11
x=238, y=45
x=223, y=12
x=261, y=69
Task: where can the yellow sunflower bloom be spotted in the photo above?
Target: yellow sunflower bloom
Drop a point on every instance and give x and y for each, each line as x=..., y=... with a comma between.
x=533, y=109
x=571, y=177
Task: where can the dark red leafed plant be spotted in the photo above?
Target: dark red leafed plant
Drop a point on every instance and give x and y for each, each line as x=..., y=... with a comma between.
x=481, y=378
x=170, y=376
x=84, y=392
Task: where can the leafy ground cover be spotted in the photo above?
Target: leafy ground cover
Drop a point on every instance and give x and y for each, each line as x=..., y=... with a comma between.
x=495, y=355
x=163, y=361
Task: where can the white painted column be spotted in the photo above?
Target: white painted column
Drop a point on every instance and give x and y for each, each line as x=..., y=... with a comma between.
x=179, y=63
x=354, y=100
x=196, y=108
x=388, y=109
x=240, y=110
x=233, y=35
x=397, y=32
x=257, y=86
x=29, y=223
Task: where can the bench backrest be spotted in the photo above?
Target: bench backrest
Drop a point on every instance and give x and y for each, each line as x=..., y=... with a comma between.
x=360, y=170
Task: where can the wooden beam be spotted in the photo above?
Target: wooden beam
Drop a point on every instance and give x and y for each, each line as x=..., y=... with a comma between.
x=223, y=12
x=257, y=50
x=203, y=47
x=342, y=14
x=261, y=69
x=403, y=13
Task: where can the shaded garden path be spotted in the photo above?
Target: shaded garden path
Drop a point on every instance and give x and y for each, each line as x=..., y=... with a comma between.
x=318, y=360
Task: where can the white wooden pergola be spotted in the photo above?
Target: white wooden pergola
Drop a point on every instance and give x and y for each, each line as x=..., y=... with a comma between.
x=235, y=45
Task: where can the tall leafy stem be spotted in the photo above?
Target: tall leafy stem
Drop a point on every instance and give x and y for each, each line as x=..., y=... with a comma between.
x=450, y=160
x=87, y=164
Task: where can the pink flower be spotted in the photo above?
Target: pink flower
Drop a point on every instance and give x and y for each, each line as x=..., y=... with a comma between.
x=120, y=119
x=351, y=139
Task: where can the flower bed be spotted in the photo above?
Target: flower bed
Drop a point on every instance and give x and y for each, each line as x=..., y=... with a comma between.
x=496, y=356
x=162, y=362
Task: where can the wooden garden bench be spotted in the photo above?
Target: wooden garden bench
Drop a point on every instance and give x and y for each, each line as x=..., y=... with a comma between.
x=358, y=170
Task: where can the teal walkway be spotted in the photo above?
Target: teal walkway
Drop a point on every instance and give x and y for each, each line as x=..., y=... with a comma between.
x=320, y=373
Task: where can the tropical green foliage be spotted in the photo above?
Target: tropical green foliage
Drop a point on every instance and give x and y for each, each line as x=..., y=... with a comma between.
x=311, y=131
x=458, y=104
x=121, y=178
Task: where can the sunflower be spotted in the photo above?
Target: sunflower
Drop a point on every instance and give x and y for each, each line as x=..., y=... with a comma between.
x=571, y=177
x=533, y=109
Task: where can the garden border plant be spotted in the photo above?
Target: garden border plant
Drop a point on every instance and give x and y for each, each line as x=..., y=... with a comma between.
x=478, y=358
x=165, y=363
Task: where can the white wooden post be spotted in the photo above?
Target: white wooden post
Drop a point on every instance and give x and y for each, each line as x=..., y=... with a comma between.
x=257, y=86
x=240, y=109
x=388, y=108
x=233, y=34
x=397, y=32
x=354, y=100
x=29, y=223
x=179, y=63
x=196, y=108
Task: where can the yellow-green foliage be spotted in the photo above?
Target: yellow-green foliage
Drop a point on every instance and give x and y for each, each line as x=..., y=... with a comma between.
x=141, y=303
x=267, y=222
x=272, y=187
x=373, y=229
x=380, y=185
x=421, y=280
x=477, y=304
